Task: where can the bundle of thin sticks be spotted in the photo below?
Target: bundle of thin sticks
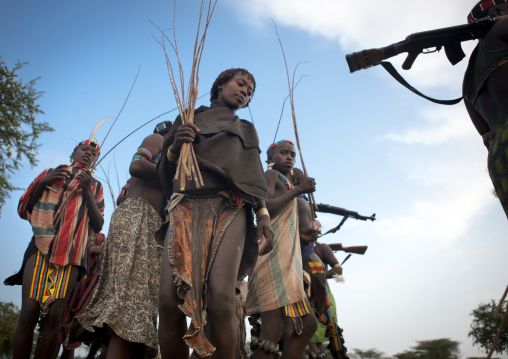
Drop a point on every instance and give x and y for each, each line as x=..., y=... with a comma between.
x=291, y=85
x=187, y=167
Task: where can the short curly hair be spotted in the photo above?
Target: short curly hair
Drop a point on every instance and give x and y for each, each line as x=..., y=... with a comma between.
x=227, y=75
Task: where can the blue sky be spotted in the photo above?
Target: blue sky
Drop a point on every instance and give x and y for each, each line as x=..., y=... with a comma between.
x=439, y=245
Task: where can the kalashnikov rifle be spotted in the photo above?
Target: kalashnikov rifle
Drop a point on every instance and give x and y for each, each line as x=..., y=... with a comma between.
x=423, y=43
x=354, y=249
x=325, y=208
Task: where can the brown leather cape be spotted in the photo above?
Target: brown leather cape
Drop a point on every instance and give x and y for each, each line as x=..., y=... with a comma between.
x=227, y=152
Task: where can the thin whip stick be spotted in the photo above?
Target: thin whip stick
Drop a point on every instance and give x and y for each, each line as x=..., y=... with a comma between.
x=137, y=129
x=117, y=176
x=282, y=110
x=252, y=118
x=109, y=185
x=498, y=309
x=121, y=110
x=291, y=100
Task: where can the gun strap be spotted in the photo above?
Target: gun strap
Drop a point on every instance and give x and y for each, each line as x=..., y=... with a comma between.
x=391, y=70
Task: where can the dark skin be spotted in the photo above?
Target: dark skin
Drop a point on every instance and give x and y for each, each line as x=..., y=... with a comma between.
x=145, y=184
x=284, y=157
x=221, y=309
x=492, y=101
x=29, y=315
x=328, y=257
x=275, y=326
x=121, y=197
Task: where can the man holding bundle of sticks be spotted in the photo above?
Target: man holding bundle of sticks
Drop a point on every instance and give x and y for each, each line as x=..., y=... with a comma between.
x=485, y=92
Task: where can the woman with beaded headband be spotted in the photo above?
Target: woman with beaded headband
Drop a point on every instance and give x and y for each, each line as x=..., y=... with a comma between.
x=129, y=284
x=485, y=92
x=211, y=242
x=65, y=207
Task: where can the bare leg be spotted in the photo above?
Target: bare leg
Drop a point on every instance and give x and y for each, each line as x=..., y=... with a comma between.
x=29, y=315
x=121, y=349
x=172, y=323
x=295, y=344
x=272, y=323
x=49, y=344
x=23, y=336
x=221, y=290
x=67, y=354
x=314, y=348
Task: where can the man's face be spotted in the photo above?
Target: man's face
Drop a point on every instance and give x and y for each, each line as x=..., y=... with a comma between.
x=86, y=155
x=284, y=157
x=236, y=92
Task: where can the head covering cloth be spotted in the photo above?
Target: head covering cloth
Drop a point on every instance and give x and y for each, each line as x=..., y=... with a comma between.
x=482, y=7
x=273, y=145
x=162, y=126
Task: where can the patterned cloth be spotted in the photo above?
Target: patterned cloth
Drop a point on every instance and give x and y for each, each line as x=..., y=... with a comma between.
x=81, y=295
x=276, y=280
x=498, y=163
x=320, y=336
x=63, y=242
x=127, y=295
x=196, y=227
x=49, y=281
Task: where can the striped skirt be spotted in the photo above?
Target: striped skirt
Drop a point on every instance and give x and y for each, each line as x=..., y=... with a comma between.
x=277, y=280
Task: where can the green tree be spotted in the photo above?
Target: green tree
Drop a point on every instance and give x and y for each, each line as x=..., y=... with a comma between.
x=18, y=127
x=484, y=327
x=9, y=314
x=366, y=354
x=432, y=349
x=406, y=355
x=437, y=349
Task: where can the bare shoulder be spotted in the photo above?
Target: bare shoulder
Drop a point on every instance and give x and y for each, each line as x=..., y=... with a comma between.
x=497, y=37
x=153, y=142
x=270, y=174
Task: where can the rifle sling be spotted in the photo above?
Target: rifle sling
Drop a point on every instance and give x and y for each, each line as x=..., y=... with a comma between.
x=391, y=70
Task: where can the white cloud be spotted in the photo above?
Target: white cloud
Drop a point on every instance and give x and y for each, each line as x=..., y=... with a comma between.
x=442, y=124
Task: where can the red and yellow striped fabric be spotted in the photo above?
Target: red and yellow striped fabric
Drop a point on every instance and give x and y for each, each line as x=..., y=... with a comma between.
x=64, y=242
x=49, y=281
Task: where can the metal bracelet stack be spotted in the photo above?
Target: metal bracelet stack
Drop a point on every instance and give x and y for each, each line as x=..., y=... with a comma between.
x=266, y=346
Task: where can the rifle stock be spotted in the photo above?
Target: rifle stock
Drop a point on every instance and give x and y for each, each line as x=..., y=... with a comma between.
x=449, y=37
x=354, y=249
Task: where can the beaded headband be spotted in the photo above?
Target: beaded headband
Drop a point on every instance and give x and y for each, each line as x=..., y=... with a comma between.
x=162, y=126
x=481, y=7
x=272, y=146
x=93, y=143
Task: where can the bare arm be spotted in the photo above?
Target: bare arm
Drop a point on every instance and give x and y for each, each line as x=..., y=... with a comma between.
x=96, y=219
x=276, y=204
x=141, y=167
x=326, y=254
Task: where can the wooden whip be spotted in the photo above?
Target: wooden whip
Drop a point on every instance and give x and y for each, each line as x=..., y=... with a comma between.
x=312, y=200
x=187, y=167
